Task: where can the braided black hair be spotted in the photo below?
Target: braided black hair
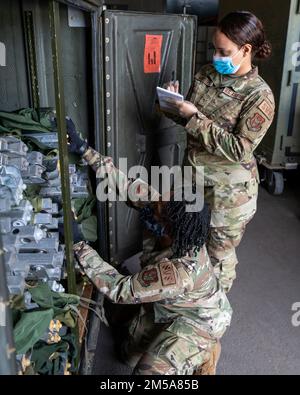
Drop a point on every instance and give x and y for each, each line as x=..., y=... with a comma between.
x=189, y=229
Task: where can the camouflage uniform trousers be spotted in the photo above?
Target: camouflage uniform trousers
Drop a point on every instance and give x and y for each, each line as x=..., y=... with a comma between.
x=175, y=348
x=238, y=208
x=232, y=205
x=221, y=246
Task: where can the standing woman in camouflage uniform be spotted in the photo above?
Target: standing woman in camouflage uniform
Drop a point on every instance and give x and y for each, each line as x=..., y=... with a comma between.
x=229, y=111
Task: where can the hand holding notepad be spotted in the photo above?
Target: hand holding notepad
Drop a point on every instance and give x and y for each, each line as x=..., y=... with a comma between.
x=167, y=98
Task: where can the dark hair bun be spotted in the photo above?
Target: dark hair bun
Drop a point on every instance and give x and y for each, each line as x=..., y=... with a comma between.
x=264, y=51
x=243, y=27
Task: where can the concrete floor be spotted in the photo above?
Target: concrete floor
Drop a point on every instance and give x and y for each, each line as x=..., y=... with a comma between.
x=261, y=339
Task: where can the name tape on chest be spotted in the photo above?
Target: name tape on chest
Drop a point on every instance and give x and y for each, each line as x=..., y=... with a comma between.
x=229, y=92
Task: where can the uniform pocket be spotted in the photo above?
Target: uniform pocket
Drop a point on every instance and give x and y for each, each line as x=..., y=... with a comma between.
x=184, y=355
x=200, y=89
x=230, y=196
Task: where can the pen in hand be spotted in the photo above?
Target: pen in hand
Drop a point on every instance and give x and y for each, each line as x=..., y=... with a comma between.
x=174, y=82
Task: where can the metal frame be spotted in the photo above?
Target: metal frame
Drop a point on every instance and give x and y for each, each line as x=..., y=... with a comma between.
x=7, y=349
x=88, y=5
x=99, y=99
x=8, y=360
x=62, y=142
x=86, y=365
x=31, y=55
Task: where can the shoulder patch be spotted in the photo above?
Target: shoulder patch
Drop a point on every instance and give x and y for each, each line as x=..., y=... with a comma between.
x=148, y=277
x=167, y=273
x=255, y=122
x=266, y=109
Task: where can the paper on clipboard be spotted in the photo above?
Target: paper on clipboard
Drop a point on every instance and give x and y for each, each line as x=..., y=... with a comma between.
x=165, y=96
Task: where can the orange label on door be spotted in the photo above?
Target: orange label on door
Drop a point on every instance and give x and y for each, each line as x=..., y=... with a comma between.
x=152, y=54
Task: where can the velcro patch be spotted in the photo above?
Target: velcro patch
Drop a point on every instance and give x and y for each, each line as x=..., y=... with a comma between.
x=167, y=273
x=229, y=92
x=148, y=277
x=255, y=123
x=206, y=81
x=266, y=109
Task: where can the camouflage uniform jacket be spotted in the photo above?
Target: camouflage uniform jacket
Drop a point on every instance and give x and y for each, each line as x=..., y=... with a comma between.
x=184, y=289
x=234, y=115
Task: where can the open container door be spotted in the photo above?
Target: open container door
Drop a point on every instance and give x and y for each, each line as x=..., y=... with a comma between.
x=141, y=52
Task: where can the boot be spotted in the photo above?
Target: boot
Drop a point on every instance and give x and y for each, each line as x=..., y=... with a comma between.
x=209, y=368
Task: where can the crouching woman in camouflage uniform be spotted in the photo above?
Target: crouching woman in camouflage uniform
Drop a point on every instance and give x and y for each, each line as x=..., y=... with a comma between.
x=229, y=111
x=183, y=311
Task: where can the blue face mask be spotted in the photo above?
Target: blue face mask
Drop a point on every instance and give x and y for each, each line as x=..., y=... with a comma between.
x=224, y=65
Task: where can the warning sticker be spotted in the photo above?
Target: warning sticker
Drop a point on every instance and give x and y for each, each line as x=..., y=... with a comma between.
x=152, y=54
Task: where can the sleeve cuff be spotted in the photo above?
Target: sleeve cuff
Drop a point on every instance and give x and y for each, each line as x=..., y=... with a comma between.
x=88, y=154
x=195, y=123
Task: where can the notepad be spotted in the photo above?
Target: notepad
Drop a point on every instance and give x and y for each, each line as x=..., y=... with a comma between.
x=165, y=96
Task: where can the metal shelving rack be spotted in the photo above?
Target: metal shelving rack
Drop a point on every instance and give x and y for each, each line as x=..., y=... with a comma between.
x=93, y=7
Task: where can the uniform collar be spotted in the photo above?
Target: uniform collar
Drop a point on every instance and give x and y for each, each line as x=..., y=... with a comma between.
x=236, y=83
